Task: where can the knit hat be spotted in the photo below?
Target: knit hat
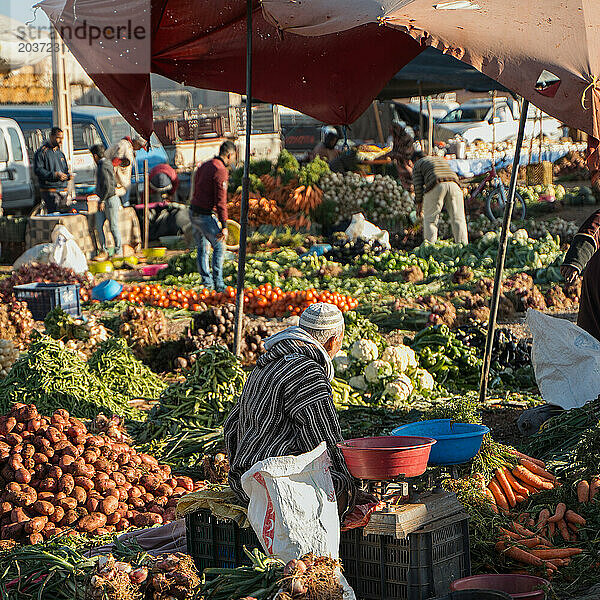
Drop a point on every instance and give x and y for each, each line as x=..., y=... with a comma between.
x=322, y=316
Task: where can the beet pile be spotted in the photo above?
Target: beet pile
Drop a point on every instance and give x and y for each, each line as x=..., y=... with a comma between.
x=56, y=476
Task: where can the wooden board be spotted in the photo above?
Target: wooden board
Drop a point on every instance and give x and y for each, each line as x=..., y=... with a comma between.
x=406, y=518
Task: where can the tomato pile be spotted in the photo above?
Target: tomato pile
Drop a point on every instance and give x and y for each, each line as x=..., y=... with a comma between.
x=265, y=300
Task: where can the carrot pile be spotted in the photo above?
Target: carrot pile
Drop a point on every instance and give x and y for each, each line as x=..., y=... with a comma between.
x=261, y=211
x=587, y=490
x=510, y=487
x=531, y=541
x=283, y=203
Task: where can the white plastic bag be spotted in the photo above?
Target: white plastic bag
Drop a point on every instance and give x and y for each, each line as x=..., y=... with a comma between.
x=566, y=361
x=361, y=228
x=65, y=251
x=293, y=507
x=36, y=254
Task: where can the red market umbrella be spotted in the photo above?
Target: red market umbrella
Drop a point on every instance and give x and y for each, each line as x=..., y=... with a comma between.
x=202, y=43
x=515, y=42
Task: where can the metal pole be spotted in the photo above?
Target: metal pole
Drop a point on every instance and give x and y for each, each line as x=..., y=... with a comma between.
x=487, y=359
x=429, y=127
x=146, y=204
x=494, y=127
x=241, y=271
x=375, y=106
x=61, y=99
x=421, y=118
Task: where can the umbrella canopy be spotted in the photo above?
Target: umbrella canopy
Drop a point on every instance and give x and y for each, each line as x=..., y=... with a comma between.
x=515, y=42
x=433, y=72
x=202, y=43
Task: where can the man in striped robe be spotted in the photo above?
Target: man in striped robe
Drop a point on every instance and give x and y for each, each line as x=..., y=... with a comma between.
x=286, y=407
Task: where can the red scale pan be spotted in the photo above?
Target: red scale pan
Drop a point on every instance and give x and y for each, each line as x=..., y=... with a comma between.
x=386, y=458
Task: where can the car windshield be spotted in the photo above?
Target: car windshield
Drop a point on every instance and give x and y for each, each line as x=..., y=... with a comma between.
x=116, y=128
x=470, y=114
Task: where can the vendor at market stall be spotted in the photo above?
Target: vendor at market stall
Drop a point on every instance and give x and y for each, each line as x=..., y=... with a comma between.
x=583, y=257
x=286, y=407
x=436, y=186
x=326, y=149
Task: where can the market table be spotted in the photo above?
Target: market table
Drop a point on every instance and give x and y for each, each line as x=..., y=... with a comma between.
x=471, y=167
x=82, y=227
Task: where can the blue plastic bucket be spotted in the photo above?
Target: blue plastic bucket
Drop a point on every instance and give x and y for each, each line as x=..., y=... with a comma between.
x=107, y=290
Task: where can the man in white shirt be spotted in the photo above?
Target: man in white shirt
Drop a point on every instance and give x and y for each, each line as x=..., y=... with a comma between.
x=122, y=156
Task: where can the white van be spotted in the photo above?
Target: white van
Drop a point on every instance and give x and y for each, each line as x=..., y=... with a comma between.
x=15, y=173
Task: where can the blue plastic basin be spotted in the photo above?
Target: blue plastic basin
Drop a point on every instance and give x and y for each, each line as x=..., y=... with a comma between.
x=107, y=290
x=457, y=443
x=318, y=250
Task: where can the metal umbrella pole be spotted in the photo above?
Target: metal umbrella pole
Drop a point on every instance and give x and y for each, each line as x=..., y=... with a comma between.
x=241, y=271
x=489, y=343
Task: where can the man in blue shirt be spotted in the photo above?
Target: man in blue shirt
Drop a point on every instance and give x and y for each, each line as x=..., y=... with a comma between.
x=51, y=169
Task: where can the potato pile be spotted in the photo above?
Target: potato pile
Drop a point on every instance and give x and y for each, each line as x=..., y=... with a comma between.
x=56, y=476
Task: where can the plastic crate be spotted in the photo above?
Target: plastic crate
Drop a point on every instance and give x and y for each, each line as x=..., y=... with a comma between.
x=377, y=567
x=421, y=566
x=214, y=543
x=41, y=298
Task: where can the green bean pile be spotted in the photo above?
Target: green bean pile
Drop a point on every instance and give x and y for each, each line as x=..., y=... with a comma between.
x=52, y=377
x=187, y=421
x=115, y=364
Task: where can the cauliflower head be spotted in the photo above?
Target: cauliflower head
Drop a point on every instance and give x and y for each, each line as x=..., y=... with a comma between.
x=364, y=350
x=400, y=389
x=358, y=383
x=424, y=379
x=377, y=369
x=401, y=357
x=341, y=362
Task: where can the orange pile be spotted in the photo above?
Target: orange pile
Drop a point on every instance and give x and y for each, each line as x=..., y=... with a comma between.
x=265, y=300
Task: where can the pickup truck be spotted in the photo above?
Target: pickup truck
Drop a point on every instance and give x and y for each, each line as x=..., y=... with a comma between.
x=15, y=175
x=474, y=121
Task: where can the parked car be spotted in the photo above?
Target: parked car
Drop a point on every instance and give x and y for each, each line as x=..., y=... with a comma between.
x=15, y=173
x=473, y=122
x=91, y=125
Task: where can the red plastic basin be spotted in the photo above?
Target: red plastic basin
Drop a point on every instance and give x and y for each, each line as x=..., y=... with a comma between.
x=152, y=270
x=519, y=587
x=386, y=457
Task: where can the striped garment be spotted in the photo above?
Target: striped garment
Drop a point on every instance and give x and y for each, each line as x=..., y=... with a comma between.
x=286, y=408
x=428, y=172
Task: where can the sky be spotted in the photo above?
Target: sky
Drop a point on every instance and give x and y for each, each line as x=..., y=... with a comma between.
x=22, y=11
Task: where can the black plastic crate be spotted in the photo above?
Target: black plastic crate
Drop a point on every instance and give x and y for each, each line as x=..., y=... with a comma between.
x=377, y=567
x=422, y=566
x=41, y=298
x=214, y=543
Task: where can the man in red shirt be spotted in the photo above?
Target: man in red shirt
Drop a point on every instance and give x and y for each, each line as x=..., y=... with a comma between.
x=210, y=196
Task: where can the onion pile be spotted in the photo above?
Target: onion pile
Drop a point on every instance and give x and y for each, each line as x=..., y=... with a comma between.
x=42, y=273
x=143, y=327
x=16, y=323
x=55, y=476
x=171, y=576
x=8, y=356
x=312, y=578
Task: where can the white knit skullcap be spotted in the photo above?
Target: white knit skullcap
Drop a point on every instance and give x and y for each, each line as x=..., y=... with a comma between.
x=322, y=316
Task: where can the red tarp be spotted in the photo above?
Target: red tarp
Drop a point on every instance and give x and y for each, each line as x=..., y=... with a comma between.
x=202, y=43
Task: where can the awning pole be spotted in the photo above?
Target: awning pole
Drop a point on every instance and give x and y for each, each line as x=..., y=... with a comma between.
x=429, y=127
x=241, y=271
x=489, y=343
